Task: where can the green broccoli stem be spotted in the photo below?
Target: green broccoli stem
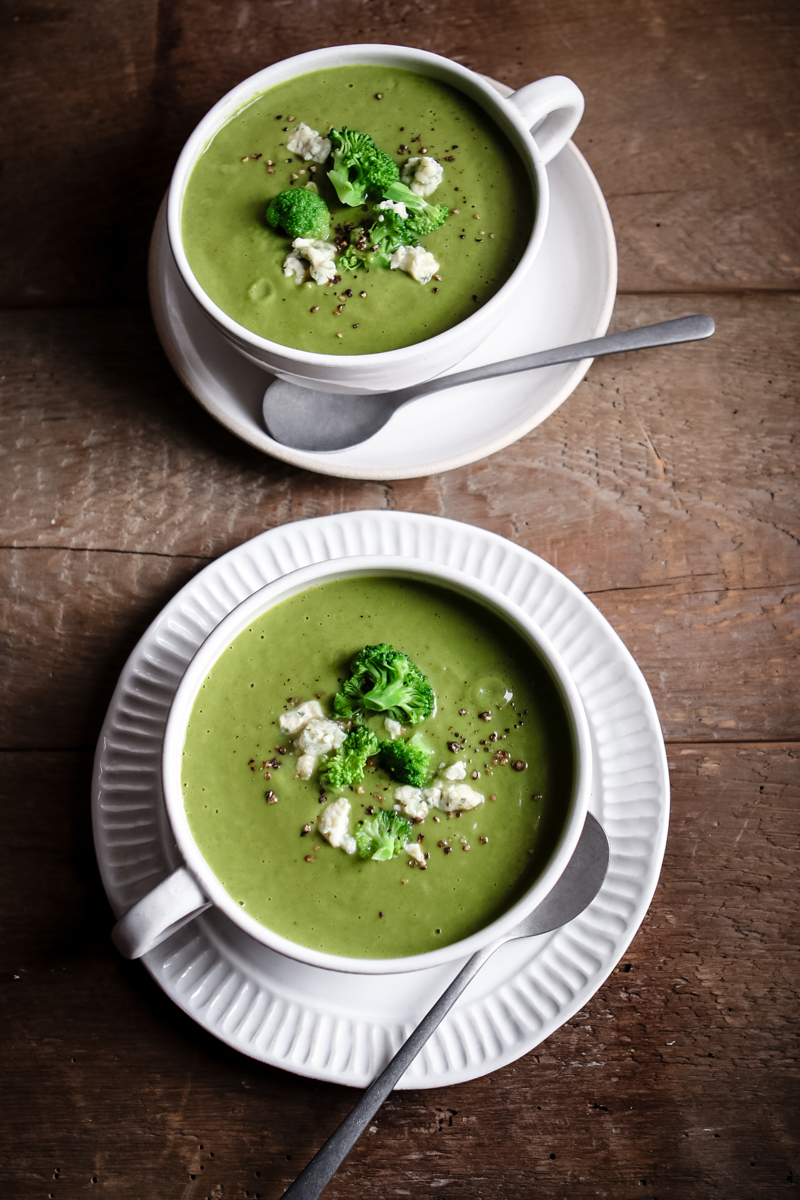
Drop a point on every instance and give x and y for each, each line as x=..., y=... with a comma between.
x=400, y=193
x=349, y=193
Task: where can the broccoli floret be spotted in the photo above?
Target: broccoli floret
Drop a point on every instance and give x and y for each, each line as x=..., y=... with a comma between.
x=407, y=762
x=382, y=836
x=385, y=680
x=300, y=213
x=359, y=166
x=353, y=246
x=374, y=242
x=351, y=260
x=419, y=225
x=423, y=217
x=385, y=231
x=388, y=233
x=346, y=766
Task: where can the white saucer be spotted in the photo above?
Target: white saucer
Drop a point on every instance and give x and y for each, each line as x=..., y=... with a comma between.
x=344, y=1028
x=568, y=297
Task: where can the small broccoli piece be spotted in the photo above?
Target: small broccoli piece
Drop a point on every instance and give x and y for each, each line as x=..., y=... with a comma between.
x=388, y=233
x=346, y=766
x=374, y=242
x=383, y=836
x=421, y=224
x=350, y=261
x=353, y=245
x=423, y=217
x=385, y=680
x=407, y=762
x=384, y=232
x=359, y=166
x=300, y=213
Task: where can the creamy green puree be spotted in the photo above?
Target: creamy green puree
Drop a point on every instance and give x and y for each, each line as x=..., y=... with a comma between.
x=238, y=258
x=340, y=903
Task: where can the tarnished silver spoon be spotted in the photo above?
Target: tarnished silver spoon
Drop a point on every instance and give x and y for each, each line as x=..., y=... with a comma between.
x=574, y=891
x=320, y=421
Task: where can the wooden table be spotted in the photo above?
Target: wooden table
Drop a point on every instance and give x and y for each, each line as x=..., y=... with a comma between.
x=665, y=488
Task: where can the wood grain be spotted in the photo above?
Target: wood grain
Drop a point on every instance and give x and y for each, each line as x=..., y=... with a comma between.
x=664, y=487
x=720, y=663
x=691, y=122
x=680, y=1078
x=669, y=464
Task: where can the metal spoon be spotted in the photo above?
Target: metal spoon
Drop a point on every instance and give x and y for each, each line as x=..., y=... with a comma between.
x=320, y=421
x=574, y=891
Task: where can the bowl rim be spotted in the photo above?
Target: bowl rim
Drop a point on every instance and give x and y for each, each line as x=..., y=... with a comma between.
x=243, y=93
x=290, y=584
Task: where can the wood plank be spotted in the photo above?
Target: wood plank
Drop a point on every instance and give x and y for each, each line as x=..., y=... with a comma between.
x=721, y=663
x=664, y=488
x=67, y=624
x=679, y=1078
x=664, y=464
x=690, y=123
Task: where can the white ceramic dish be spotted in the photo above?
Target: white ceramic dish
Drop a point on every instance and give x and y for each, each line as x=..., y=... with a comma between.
x=188, y=890
x=567, y=297
x=553, y=107
x=344, y=1028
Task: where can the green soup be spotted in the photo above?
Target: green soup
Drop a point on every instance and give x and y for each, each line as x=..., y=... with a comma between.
x=342, y=904
x=238, y=258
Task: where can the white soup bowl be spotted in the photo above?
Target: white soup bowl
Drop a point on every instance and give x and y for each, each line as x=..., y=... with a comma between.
x=538, y=120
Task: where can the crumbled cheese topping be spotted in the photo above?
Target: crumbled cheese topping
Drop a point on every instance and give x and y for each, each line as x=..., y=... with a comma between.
x=457, y=771
x=411, y=801
x=321, y=257
x=308, y=142
x=292, y=265
x=334, y=825
x=432, y=795
x=416, y=261
x=414, y=850
x=459, y=796
x=316, y=735
x=422, y=175
x=305, y=766
x=292, y=722
x=320, y=736
x=393, y=728
x=396, y=206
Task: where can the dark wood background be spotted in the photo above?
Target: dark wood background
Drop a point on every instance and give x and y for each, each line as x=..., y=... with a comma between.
x=665, y=487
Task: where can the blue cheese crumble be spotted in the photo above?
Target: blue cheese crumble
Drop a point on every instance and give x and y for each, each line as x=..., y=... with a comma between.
x=320, y=260
x=396, y=206
x=422, y=175
x=416, y=261
x=445, y=794
x=334, y=825
x=308, y=142
x=316, y=735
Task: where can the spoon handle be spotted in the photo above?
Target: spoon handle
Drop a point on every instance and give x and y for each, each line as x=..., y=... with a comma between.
x=323, y=1166
x=664, y=333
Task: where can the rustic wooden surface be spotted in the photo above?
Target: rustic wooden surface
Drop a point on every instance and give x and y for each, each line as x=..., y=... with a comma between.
x=665, y=487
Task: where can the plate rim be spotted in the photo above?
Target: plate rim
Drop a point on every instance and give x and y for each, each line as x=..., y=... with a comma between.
x=451, y=1075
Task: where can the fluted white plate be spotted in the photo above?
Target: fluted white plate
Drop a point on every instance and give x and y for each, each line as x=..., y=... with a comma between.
x=567, y=297
x=344, y=1028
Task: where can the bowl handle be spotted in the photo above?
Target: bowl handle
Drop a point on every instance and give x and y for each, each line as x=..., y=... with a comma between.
x=164, y=910
x=552, y=109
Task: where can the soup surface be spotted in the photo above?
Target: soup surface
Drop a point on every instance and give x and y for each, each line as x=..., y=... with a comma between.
x=340, y=903
x=238, y=258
